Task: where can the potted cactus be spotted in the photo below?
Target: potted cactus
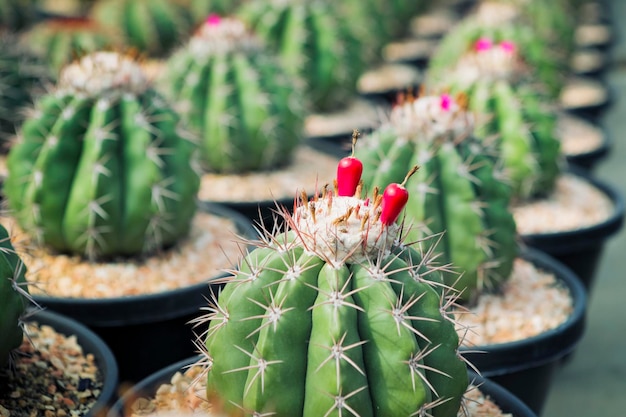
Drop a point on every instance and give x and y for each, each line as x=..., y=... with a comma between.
x=103, y=183
x=335, y=316
x=21, y=322
x=461, y=195
x=234, y=94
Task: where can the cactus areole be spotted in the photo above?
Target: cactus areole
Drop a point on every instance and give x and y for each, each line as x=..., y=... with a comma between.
x=334, y=317
x=101, y=167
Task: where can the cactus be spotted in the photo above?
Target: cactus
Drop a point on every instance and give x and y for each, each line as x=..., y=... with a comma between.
x=102, y=167
x=315, y=45
x=22, y=76
x=519, y=117
x=14, y=298
x=61, y=40
x=457, y=192
x=334, y=317
x=200, y=9
x=236, y=96
x=549, y=64
x=16, y=15
x=153, y=27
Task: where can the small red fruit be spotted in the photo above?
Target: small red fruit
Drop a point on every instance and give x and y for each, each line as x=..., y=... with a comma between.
x=395, y=198
x=349, y=172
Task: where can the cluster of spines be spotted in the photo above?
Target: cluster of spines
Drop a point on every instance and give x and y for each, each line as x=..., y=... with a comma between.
x=294, y=334
x=105, y=174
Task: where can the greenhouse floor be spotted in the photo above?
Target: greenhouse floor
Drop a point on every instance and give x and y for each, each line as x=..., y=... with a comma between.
x=593, y=383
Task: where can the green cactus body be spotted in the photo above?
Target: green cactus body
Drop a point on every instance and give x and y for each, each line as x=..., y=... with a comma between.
x=236, y=96
x=154, y=27
x=22, y=77
x=334, y=318
x=13, y=297
x=315, y=45
x=512, y=109
x=63, y=40
x=16, y=15
x=102, y=167
x=456, y=192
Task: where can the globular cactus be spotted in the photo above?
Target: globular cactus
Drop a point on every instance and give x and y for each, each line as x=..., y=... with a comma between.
x=335, y=317
x=22, y=77
x=315, y=44
x=64, y=39
x=543, y=65
x=102, y=167
x=153, y=27
x=512, y=112
x=457, y=192
x=14, y=298
x=16, y=15
x=236, y=96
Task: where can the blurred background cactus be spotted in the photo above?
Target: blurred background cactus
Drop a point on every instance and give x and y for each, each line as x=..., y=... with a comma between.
x=14, y=298
x=458, y=193
x=64, y=39
x=22, y=77
x=200, y=9
x=315, y=45
x=236, y=96
x=102, y=167
x=16, y=15
x=153, y=27
x=335, y=317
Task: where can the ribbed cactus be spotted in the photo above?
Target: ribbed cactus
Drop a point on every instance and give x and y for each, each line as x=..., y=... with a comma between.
x=544, y=64
x=457, y=192
x=153, y=27
x=102, y=167
x=22, y=76
x=512, y=112
x=62, y=40
x=334, y=317
x=236, y=96
x=13, y=297
x=16, y=15
x=315, y=44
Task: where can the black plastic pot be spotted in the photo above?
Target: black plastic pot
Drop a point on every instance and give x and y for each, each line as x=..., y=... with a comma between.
x=526, y=367
x=91, y=343
x=147, y=332
x=148, y=386
x=593, y=109
x=581, y=249
x=589, y=160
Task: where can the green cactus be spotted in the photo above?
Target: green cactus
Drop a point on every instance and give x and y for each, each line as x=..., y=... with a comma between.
x=334, y=317
x=512, y=110
x=541, y=64
x=22, y=77
x=16, y=15
x=62, y=40
x=315, y=45
x=14, y=298
x=236, y=96
x=102, y=167
x=201, y=9
x=457, y=192
x=154, y=27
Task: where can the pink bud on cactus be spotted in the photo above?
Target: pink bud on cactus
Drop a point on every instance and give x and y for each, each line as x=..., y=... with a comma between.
x=508, y=46
x=483, y=44
x=445, y=102
x=349, y=172
x=394, y=199
x=213, y=19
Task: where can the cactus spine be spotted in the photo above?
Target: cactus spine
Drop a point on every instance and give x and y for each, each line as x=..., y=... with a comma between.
x=456, y=193
x=102, y=167
x=314, y=44
x=14, y=298
x=334, y=317
x=236, y=96
x=154, y=27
